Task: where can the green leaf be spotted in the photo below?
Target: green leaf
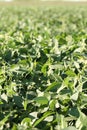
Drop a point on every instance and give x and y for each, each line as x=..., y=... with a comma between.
x=26, y=121
x=4, y=97
x=18, y=101
x=48, y=113
x=3, y=121
x=14, y=67
x=25, y=103
x=14, y=127
x=2, y=79
x=2, y=71
x=74, y=112
x=49, y=119
x=54, y=86
x=82, y=120
x=70, y=73
x=41, y=100
x=52, y=104
x=75, y=96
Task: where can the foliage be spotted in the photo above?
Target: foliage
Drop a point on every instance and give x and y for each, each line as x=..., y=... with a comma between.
x=43, y=69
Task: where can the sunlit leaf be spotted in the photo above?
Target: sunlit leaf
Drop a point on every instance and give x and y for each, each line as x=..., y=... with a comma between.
x=41, y=100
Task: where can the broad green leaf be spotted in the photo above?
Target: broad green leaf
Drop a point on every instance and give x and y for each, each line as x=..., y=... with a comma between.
x=54, y=86
x=18, y=100
x=14, y=127
x=41, y=100
x=74, y=112
x=4, y=97
x=75, y=96
x=26, y=121
x=14, y=67
x=49, y=119
x=70, y=73
x=82, y=120
x=33, y=115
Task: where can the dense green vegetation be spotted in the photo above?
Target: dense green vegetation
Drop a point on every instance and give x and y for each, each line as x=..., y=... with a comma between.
x=43, y=69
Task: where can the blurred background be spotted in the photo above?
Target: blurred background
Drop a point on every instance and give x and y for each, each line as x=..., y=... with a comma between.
x=41, y=2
